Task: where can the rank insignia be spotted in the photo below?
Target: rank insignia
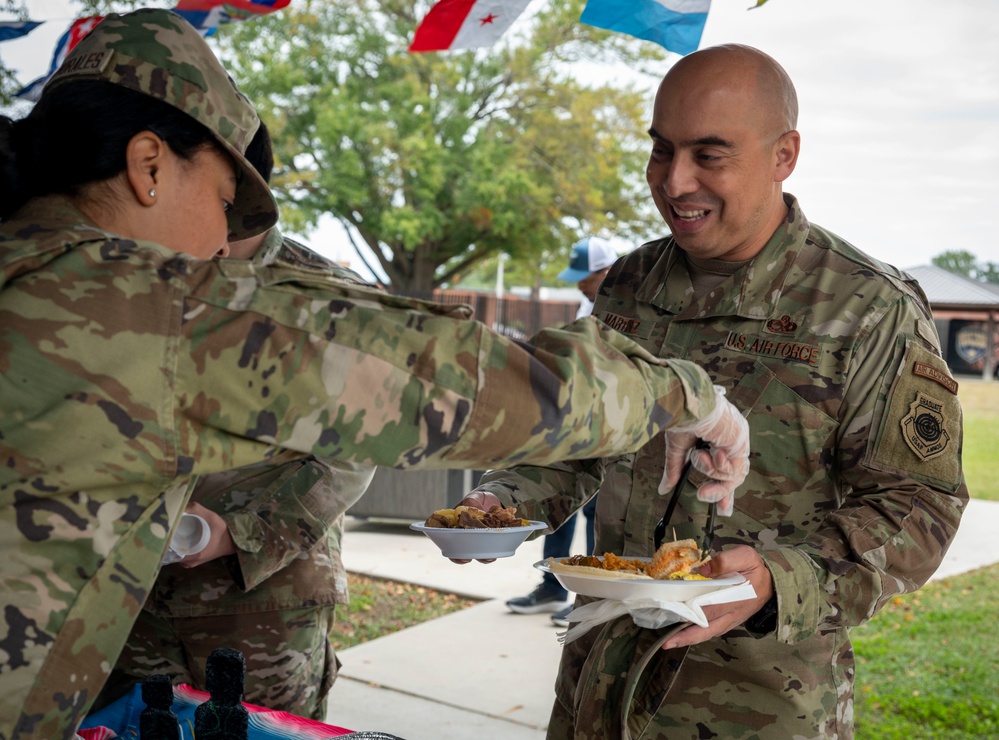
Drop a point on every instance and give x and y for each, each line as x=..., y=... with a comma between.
x=923, y=427
x=783, y=325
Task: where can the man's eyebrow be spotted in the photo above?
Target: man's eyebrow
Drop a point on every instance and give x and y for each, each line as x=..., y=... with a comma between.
x=703, y=141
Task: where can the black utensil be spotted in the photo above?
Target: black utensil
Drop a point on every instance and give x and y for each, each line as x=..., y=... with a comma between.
x=709, y=530
x=659, y=534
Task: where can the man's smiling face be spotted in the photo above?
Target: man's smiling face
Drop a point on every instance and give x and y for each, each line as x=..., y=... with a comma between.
x=717, y=159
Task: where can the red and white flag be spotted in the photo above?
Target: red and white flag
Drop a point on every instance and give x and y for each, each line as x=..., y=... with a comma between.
x=466, y=24
x=76, y=31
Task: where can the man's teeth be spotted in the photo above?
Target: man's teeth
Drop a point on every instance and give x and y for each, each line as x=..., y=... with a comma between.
x=689, y=215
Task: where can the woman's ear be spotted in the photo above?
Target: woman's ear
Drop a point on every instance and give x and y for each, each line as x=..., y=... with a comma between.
x=144, y=160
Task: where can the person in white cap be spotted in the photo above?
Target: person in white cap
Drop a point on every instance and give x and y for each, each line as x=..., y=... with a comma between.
x=589, y=261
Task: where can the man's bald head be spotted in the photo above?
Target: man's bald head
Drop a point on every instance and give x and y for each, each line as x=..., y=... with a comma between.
x=747, y=69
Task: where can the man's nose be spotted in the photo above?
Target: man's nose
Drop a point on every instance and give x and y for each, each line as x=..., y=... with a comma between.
x=681, y=177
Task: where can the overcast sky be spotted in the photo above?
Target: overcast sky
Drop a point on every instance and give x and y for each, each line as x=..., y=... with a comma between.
x=899, y=115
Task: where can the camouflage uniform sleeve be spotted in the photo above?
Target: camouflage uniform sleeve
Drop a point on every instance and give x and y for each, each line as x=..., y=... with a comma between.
x=286, y=520
x=901, y=481
x=551, y=493
x=348, y=372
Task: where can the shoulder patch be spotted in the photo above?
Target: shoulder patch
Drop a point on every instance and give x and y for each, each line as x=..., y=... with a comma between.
x=925, y=370
x=924, y=428
x=919, y=430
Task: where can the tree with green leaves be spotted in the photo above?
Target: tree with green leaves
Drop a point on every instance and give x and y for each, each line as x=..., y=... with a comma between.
x=963, y=262
x=440, y=161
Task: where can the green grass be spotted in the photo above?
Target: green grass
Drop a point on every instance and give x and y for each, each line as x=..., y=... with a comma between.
x=378, y=607
x=980, y=402
x=928, y=663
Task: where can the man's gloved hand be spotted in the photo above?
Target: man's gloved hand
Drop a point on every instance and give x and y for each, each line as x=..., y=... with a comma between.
x=725, y=461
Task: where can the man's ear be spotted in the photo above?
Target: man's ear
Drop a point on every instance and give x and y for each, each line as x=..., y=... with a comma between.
x=786, y=152
x=144, y=160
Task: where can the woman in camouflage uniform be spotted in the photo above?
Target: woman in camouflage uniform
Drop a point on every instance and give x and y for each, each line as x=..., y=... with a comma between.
x=131, y=362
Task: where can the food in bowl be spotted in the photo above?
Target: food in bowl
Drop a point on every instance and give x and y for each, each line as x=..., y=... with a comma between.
x=469, y=517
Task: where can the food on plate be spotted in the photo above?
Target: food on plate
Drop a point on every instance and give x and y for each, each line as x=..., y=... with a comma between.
x=673, y=561
x=677, y=560
x=469, y=517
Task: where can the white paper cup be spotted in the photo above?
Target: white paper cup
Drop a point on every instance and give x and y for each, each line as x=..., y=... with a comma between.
x=191, y=536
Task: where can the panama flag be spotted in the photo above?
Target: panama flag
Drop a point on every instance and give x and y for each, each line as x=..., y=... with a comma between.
x=674, y=24
x=466, y=24
x=79, y=28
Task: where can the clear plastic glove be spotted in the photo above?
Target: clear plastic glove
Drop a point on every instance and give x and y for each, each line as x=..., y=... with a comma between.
x=725, y=461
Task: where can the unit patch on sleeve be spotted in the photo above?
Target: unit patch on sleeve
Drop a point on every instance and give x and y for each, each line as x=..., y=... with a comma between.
x=924, y=427
x=925, y=370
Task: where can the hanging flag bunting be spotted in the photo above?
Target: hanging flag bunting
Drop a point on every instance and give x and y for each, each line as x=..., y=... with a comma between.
x=16, y=29
x=207, y=15
x=674, y=24
x=76, y=31
x=466, y=24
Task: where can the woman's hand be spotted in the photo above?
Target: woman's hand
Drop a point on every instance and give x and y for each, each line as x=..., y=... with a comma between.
x=219, y=545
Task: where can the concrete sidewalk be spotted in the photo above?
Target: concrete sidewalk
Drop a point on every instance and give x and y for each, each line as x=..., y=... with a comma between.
x=485, y=672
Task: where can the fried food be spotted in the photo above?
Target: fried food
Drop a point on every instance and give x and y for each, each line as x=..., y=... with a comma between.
x=676, y=560
x=673, y=561
x=469, y=517
x=626, y=565
x=442, y=519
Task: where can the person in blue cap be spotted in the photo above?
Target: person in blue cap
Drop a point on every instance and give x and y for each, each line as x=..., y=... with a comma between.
x=589, y=261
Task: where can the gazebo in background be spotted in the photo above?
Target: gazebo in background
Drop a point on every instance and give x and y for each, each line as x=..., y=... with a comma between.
x=965, y=312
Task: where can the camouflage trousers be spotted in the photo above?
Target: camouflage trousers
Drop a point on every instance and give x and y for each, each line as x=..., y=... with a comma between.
x=290, y=662
x=617, y=683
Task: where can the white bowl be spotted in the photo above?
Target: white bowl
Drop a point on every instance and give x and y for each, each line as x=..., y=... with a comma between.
x=468, y=544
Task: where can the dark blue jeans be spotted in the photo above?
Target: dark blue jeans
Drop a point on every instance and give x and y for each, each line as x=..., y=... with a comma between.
x=557, y=543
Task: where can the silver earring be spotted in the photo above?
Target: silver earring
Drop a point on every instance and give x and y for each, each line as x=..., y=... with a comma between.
x=152, y=192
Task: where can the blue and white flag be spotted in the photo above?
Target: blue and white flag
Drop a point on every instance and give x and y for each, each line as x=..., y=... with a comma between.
x=16, y=29
x=674, y=24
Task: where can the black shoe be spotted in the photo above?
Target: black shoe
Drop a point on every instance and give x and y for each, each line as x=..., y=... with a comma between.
x=539, y=600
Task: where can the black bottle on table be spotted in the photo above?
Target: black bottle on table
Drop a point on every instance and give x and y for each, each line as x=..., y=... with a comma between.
x=223, y=717
x=157, y=721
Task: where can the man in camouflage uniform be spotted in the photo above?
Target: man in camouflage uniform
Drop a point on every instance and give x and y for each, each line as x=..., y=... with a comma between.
x=855, y=488
x=129, y=368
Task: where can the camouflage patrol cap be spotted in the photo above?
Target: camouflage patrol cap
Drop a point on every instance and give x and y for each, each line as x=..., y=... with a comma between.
x=158, y=53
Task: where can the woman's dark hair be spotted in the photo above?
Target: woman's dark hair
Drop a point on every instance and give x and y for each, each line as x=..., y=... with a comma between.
x=78, y=133
x=260, y=153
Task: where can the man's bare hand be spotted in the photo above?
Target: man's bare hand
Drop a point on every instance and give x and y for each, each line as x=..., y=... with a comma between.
x=724, y=617
x=480, y=500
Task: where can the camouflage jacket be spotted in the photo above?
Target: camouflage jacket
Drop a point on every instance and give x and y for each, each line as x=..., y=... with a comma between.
x=285, y=516
x=286, y=519
x=126, y=369
x=854, y=493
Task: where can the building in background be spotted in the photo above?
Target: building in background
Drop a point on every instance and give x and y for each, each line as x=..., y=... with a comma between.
x=966, y=313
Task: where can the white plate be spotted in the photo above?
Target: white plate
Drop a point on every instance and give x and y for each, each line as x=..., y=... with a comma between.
x=467, y=544
x=609, y=587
